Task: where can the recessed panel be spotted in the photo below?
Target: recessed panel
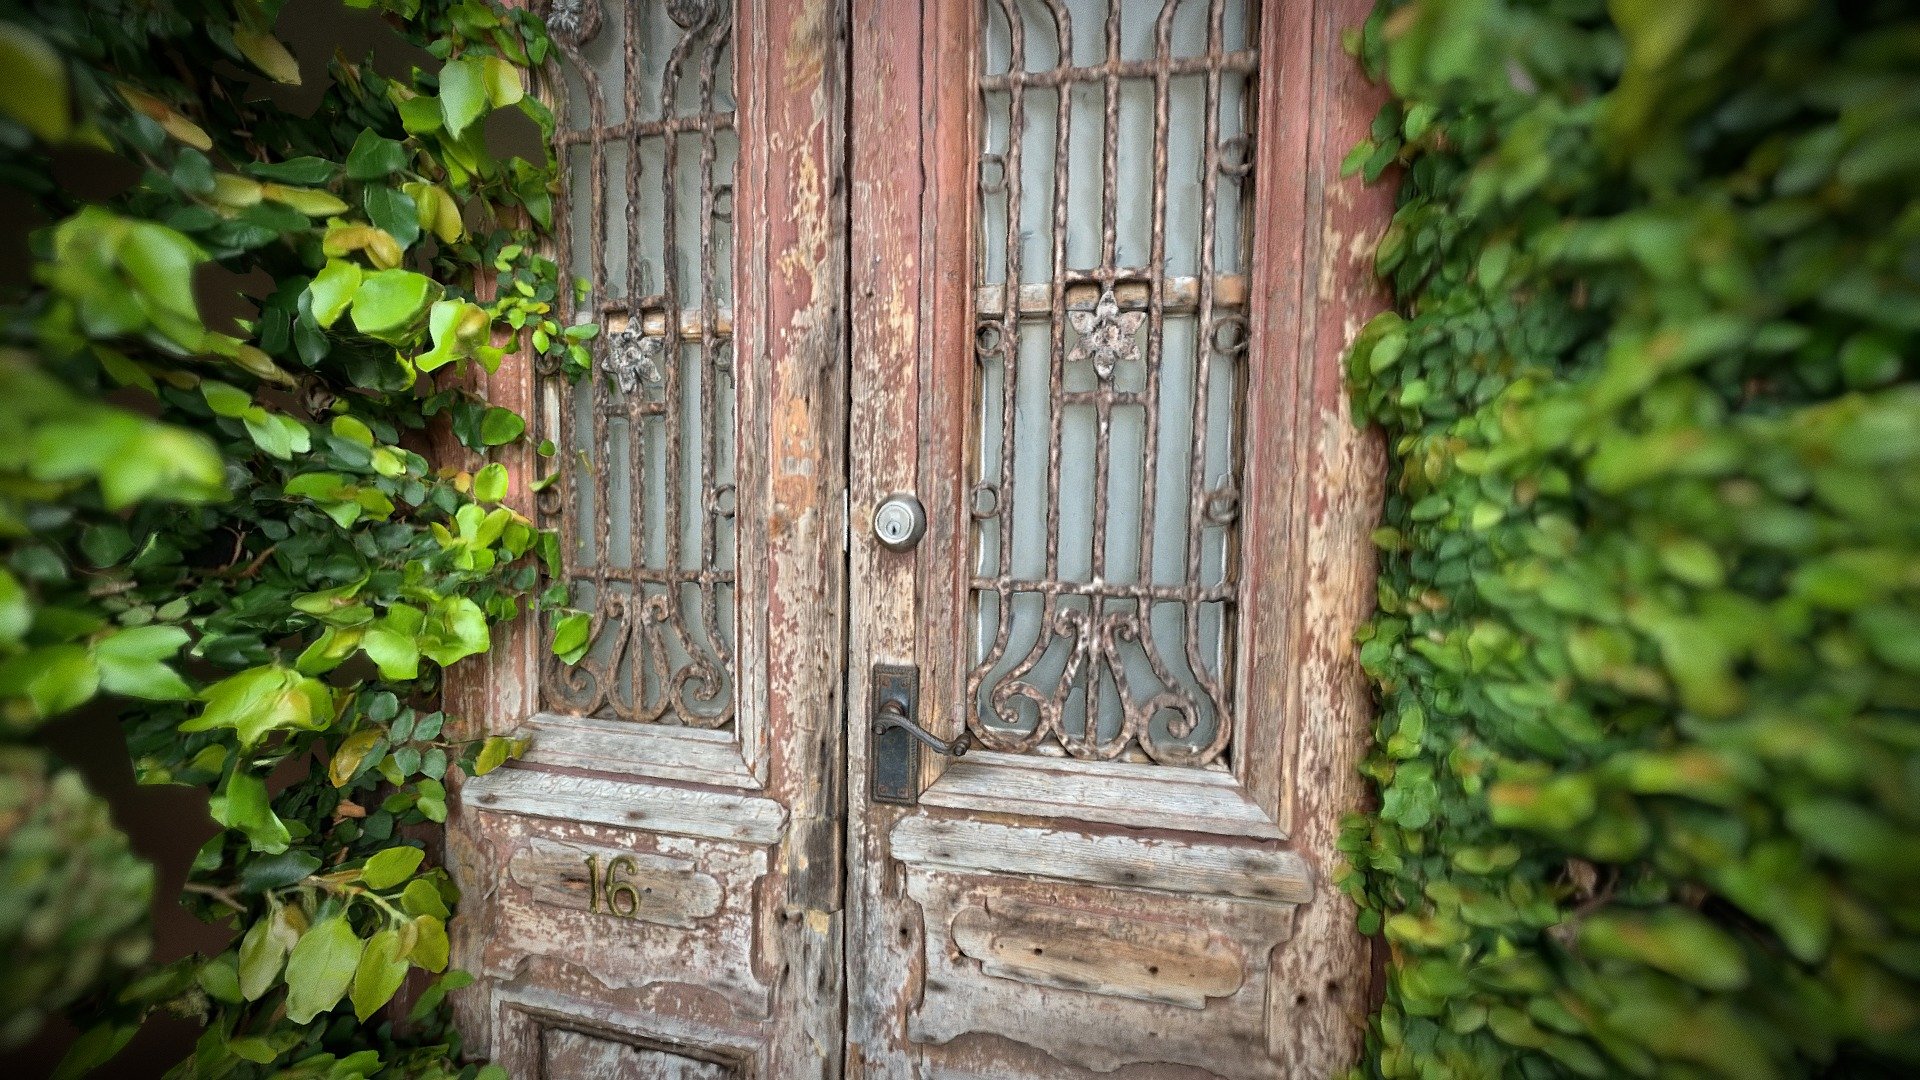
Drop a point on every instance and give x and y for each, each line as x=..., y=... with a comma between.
x=578, y=1056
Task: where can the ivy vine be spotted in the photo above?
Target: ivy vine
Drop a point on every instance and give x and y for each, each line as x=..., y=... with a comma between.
x=1648, y=645
x=232, y=532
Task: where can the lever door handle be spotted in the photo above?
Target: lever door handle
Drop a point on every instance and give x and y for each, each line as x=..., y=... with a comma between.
x=891, y=715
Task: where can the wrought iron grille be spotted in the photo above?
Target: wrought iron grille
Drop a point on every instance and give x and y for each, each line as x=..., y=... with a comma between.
x=1111, y=337
x=645, y=99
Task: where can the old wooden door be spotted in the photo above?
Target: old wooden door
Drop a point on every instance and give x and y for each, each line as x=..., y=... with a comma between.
x=655, y=891
x=969, y=381
x=1102, y=274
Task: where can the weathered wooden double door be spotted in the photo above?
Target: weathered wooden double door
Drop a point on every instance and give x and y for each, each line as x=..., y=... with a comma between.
x=973, y=534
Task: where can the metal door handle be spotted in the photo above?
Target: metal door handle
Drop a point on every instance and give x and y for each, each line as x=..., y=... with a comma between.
x=891, y=715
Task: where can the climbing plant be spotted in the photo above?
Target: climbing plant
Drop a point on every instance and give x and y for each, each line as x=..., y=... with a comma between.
x=235, y=532
x=1648, y=644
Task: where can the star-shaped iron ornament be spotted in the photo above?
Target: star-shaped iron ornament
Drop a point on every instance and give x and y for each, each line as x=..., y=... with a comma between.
x=632, y=356
x=1107, y=335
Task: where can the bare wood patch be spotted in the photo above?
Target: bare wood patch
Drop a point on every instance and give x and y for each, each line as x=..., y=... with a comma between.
x=1074, y=950
x=1187, y=867
x=719, y=815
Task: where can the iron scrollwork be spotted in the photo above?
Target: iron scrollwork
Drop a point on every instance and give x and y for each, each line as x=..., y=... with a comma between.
x=646, y=492
x=1123, y=654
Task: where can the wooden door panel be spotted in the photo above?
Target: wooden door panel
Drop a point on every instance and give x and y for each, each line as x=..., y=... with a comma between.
x=653, y=890
x=689, y=915
x=1085, y=893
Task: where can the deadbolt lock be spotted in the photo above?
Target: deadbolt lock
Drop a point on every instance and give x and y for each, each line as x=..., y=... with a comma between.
x=899, y=522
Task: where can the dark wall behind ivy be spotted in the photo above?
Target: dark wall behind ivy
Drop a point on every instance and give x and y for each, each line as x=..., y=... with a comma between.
x=1648, y=648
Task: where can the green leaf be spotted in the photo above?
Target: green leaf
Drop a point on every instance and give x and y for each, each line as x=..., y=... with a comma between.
x=388, y=303
x=321, y=968
x=259, y=701
x=105, y=544
x=500, y=426
x=16, y=609
x=396, y=653
x=1672, y=939
x=53, y=679
x=352, y=430
x=225, y=399
x=437, y=210
x=161, y=263
x=420, y=114
x=490, y=483
x=276, y=435
x=308, y=171
x=390, y=867
x=429, y=943
x=420, y=897
x=33, y=84
x=220, y=978
x=264, y=874
x=263, y=952
x=374, y=157
x=394, y=211
x=503, y=81
x=94, y=1048
x=456, y=630
x=352, y=754
x=130, y=663
x=493, y=754
x=463, y=93
x=243, y=804
x=266, y=53
x=379, y=974
x=572, y=635
x=309, y=201
x=332, y=289
x=142, y=643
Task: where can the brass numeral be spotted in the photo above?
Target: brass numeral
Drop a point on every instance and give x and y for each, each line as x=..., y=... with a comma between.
x=607, y=893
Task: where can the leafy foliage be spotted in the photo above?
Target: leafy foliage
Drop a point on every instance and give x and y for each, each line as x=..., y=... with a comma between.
x=1647, y=653
x=230, y=531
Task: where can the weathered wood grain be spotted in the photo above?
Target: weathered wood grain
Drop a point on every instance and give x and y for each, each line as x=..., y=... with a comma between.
x=1183, y=865
x=1115, y=792
x=1077, y=950
x=797, y=224
x=1321, y=981
x=998, y=1024
x=576, y=1054
x=695, y=755
x=680, y=811
x=700, y=968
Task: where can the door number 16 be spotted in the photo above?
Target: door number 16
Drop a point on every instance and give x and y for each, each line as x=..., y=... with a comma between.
x=608, y=893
